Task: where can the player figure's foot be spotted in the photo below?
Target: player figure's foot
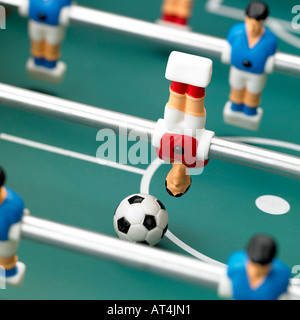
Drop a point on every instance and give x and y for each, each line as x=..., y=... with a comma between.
x=14, y=276
x=46, y=70
x=250, y=111
x=178, y=180
x=237, y=107
x=50, y=64
x=39, y=61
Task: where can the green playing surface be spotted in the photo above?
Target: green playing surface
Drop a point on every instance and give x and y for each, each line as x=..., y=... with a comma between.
x=126, y=74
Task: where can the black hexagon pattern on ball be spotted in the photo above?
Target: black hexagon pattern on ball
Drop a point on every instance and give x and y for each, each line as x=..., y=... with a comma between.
x=149, y=222
x=135, y=199
x=123, y=225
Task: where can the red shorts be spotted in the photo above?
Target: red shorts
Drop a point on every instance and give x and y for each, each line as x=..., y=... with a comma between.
x=181, y=148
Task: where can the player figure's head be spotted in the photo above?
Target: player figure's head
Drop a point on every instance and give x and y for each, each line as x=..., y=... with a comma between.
x=256, y=14
x=261, y=249
x=2, y=177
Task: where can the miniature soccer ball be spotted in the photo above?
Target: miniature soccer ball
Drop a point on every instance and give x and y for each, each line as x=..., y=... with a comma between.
x=141, y=218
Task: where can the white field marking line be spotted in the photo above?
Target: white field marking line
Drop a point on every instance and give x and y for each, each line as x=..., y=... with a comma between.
x=150, y=171
x=67, y=153
x=268, y=142
x=279, y=26
x=145, y=188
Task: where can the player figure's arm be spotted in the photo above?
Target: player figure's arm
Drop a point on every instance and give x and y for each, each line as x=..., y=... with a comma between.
x=226, y=54
x=270, y=63
x=225, y=288
x=14, y=232
x=24, y=8
x=233, y=34
x=65, y=13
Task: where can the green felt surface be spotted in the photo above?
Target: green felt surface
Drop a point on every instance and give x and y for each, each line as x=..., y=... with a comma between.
x=126, y=74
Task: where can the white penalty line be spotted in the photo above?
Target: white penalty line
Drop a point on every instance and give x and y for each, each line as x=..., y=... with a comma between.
x=145, y=184
x=145, y=188
x=68, y=153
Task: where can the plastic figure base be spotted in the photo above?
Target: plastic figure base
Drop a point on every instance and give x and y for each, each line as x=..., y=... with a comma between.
x=17, y=279
x=54, y=75
x=239, y=119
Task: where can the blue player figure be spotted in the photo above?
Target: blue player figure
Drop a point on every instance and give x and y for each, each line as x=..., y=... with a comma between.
x=47, y=22
x=250, y=51
x=11, y=213
x=256, y=274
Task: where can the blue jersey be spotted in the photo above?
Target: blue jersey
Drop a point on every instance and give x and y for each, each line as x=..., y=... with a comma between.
x=47, y=11
x=274, y=285
x=11, y=212
x=250, y=59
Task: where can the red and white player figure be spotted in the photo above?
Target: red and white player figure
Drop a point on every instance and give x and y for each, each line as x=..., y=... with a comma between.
x=176, y=12
x=180, y=138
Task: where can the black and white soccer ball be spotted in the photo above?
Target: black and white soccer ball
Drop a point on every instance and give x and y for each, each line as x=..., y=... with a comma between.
x=141, y=218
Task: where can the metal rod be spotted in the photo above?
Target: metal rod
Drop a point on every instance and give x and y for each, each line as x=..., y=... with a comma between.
x=152, y=31
x=200, y=43
x=98, y=118
x=74, y=112
x=138, y=256
x=134, y=255
x=255, y=157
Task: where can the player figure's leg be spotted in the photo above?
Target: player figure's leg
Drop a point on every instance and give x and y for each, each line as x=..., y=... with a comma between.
x=51, y=55
x=178, y=180
x=168, y=10
x=237, y=89
x=37, y=50
x=237, y=99
x=11, y=268
x=195, y=101
x=53, y=39
x=183, y=11
x=45, y=43
x=251, y=103
x=243, y=108
x=252, y=98
x=9, y=264
x=195, y=113
x=175, y=107
x=37, y=43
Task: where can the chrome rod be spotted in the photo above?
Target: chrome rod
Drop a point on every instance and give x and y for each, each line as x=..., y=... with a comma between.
x=255, y=157
x=133, y=255
x=98, y=118
x=74, y=112
x=138, y=256
x=149, y=30
x=199, y=43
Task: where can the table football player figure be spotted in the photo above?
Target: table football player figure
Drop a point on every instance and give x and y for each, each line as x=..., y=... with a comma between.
x=176, y=12
x=46, y=27
x=180, y=138
x=256, y=273
x=250, y=51
x=11, y=213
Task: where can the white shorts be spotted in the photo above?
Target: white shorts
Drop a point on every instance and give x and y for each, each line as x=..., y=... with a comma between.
x=254, y=83
x=8, y=248
x=53, y=35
